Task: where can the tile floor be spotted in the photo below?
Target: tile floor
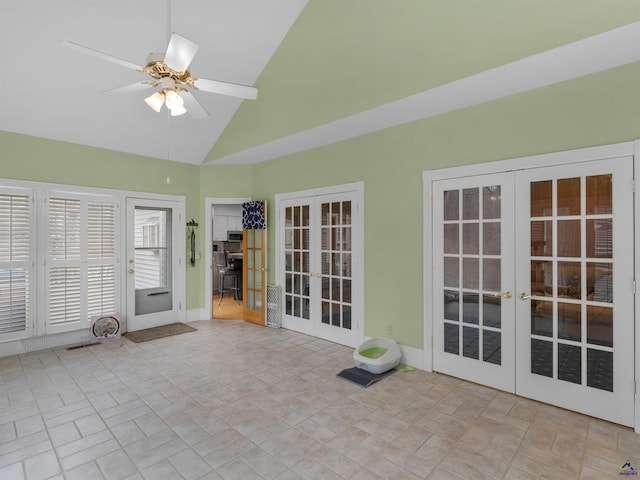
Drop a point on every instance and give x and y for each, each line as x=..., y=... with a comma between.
x=238, y=401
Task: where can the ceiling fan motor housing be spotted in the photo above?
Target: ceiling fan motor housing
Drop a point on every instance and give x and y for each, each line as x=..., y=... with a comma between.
x=156, y=68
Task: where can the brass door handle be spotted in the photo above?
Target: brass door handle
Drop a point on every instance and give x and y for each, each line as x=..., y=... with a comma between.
x=131, y=270
x=318, y=275
x=524, y=296
x=505, y=294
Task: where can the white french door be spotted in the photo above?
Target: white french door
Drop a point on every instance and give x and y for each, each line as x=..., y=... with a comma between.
x=320, y=257
x=473, y=299
x=155, y=263
x=575, y=287
x=533, y=284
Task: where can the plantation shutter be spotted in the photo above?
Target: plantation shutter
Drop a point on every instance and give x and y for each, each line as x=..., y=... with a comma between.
x=81, y=264
x=15, y=264
x=101, y=259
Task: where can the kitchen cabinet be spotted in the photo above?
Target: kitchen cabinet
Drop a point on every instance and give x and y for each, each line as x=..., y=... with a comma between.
x=220, y=227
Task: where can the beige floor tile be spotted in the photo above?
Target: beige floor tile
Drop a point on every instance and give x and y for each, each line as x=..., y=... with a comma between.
x=241, y=401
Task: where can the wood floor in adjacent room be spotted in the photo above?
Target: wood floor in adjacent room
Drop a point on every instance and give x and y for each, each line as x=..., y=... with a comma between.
x=238, y=401
x=229, y=309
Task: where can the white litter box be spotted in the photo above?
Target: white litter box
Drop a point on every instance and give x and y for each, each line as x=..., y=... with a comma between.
x=377, y=355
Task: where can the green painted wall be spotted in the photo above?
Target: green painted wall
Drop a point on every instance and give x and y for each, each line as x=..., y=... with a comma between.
x=36, y=159
x=595, y=110
x=344, y=56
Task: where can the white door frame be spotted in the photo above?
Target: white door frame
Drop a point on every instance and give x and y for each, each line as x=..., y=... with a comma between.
x=178, y=252
x=535, y=161
x=209, y=203
x=358, y=246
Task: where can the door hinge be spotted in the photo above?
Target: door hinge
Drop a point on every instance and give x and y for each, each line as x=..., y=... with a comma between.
x=179, y=305
x=633, y=186
x=633, y=284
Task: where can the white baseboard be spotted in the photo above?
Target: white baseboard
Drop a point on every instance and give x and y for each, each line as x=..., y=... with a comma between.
x=44, y=342
x=196, y=314
x=412, y=356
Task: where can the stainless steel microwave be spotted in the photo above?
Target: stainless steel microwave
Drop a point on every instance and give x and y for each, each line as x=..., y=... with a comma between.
x=234, y=236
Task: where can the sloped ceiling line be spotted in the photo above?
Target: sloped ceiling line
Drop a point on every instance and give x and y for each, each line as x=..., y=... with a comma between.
x=601, y=52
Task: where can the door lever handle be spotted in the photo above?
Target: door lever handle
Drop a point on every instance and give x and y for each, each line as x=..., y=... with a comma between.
x=505, y=294
x=524, y=296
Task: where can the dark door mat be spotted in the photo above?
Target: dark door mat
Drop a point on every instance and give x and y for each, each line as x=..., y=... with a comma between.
x=159, y=332
x=362, y=377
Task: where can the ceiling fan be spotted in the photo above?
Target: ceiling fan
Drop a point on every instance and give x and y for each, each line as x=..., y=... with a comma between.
x=169, y=71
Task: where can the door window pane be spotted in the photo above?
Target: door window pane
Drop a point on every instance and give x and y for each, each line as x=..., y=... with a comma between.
x=471, y=342
x=600, y=238
x=451, y=238
x=541, y=198
x=470, y=273
x=451, y=305
x=470, y=308
x=541, y=238
x=491, y=238
x=470, y=238
x=491, y=202
x=569, y=196
x=451, y=272
x=541, y=318
x=569, y=239
x=451, y=338
x=491, y=311
x=600, y=325
x=541, y=278
x=569, y=280
x=600, y=369
x=569, y=321
x=542, y=357
x=599, y=194
x=451, y=205
x=569, y=363
x=600, y=282
x=491, y=274
x=491, y=347
x=470, y=204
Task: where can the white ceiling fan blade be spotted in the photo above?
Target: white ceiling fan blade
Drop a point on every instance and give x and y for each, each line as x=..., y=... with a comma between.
x=103, y=56
x=180, y=52
x=226, y=88
x=193, y=106
x=134, y=87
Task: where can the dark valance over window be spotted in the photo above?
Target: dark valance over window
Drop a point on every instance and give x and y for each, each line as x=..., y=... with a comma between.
x=253, y=217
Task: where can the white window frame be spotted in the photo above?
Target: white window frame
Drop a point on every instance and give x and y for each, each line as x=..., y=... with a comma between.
x=83, y=262
x=27, y=264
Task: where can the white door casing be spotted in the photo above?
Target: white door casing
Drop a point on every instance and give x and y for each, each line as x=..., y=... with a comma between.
x=155, y=262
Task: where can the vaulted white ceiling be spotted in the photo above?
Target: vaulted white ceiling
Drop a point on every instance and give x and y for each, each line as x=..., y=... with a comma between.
x=54, y=92
x=347, y=68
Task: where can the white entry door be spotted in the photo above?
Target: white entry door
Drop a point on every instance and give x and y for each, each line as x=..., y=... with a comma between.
x=155, y=263
x=575, y=315
x=320, y=256
x=473, y=279
x=533, y=284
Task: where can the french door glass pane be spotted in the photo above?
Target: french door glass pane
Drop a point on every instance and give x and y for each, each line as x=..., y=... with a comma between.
x=472, y=272
x=335, y=234
x=571, y=280
x=297, y=265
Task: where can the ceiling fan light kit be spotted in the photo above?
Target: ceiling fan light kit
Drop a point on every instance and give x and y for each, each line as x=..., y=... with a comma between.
x=170, y=71
x=168, y=96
